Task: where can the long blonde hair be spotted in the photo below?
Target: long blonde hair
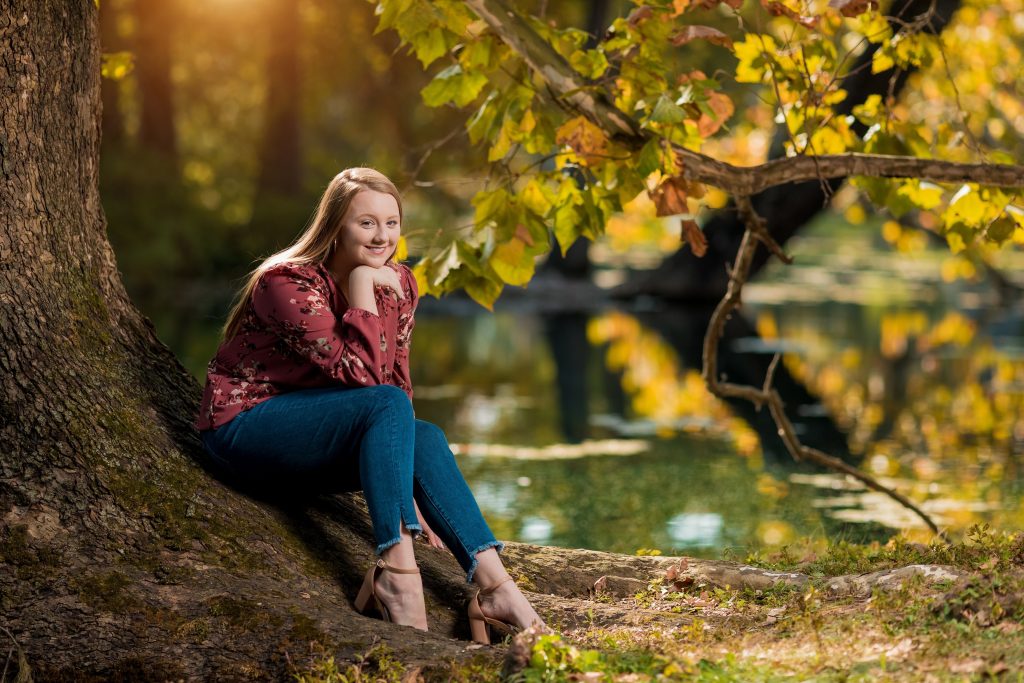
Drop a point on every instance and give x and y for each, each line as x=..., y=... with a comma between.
x=316, y=243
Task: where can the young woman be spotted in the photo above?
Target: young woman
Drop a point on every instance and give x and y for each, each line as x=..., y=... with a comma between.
x=311, y=381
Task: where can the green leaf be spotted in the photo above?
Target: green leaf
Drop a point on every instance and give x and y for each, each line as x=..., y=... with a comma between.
x=667, y=111
x=490, y=205
x=453, y=85
x=1001, y=229
x=589, y=63
x=428, y=45
x=481, y=123
x=568, y=219
x=484, y=291
x=443, y=264
x=649, y=159
x=478, y=54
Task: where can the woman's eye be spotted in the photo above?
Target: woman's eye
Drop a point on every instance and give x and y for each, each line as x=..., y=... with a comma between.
x=392, y=223
x=366, y=223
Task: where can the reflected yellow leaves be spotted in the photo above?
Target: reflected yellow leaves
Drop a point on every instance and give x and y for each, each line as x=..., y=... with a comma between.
x=935, y=406
x=658, y=387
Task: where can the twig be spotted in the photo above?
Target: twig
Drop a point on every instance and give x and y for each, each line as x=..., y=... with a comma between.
x=756, y=232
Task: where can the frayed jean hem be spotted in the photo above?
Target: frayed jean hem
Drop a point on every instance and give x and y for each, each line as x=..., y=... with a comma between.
x=497, y=545
x=414, y=529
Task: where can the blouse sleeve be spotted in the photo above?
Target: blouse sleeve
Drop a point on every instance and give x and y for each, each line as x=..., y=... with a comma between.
x=292, y=303
x=406, y=321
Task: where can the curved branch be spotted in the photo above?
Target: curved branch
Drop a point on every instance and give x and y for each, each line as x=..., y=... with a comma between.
x=767, y=395
x=594, y=103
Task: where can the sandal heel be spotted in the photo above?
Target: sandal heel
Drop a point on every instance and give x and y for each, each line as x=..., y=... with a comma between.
x=367, y=597
x=480, y=625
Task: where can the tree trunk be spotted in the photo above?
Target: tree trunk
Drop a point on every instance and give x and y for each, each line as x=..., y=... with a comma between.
x=281, y=155
x=155, y=28
x=110, y=41
x=787, y=208
x=115, y=541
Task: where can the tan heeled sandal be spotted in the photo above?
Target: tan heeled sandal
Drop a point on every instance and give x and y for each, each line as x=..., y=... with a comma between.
x=368, y=591
x=480, y=626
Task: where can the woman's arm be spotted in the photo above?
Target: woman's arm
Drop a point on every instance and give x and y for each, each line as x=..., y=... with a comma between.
x=406, y=322
x=292, y=302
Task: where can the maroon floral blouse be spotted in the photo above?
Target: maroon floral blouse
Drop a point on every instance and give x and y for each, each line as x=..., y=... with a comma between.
x=298, y=332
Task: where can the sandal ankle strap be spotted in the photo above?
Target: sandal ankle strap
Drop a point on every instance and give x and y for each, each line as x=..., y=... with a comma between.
x=490, y=589
x=398, y=570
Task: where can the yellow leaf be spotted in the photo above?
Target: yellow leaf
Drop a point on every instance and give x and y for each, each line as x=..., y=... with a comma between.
x=512, y=263
x=402, y=252
x=923, y=195
x=535, y=199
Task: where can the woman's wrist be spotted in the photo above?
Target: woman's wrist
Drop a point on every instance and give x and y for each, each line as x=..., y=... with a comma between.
x=360, y=287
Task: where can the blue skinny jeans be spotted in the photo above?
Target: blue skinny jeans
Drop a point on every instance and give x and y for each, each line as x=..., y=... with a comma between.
x=351, y=438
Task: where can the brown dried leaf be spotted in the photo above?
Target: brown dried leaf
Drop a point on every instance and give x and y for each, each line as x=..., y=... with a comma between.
x=778, y=9
x=853, y=8
x=695, y=75
x=723, y=107
x=670, y=197
x=680, y=6
x=711, y=4
x=640, y=14
x=694, y=236
x=586, y=139
x=708, y=33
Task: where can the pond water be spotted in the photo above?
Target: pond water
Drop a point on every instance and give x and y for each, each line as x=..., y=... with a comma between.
x=594, y=430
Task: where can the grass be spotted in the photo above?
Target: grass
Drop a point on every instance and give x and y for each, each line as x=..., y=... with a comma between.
x=966, y=630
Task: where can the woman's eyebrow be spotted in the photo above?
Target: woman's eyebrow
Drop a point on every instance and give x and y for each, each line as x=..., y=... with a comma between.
x=370, y=215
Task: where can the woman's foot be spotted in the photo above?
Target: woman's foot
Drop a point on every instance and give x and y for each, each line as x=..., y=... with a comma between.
x=402, y=594
x=507, y=603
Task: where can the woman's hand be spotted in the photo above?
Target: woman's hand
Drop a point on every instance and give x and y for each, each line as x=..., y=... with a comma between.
x=428, y=533
x=361, y=283
x=385, y=275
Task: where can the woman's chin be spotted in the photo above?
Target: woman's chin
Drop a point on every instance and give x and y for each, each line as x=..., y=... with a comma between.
x=374, y=260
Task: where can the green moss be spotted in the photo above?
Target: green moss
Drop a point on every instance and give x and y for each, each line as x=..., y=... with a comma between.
x=242, y=614
x=377, y=665
x=195, y=630
x=106, y=591
x=304, y=629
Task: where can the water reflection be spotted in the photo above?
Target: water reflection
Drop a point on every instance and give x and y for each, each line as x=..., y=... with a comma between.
x=696, y=529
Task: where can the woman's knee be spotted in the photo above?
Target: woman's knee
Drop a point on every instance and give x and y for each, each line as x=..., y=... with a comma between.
x=391, y=398
x=431, y=443
x=430, y=432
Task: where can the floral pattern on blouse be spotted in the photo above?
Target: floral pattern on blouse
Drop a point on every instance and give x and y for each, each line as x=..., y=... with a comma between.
x=298, y=332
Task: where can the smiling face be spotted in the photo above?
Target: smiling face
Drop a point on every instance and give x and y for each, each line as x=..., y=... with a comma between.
x=369, y=231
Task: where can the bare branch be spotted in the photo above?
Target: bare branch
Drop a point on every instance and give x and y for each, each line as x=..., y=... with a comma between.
x=767, y=395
